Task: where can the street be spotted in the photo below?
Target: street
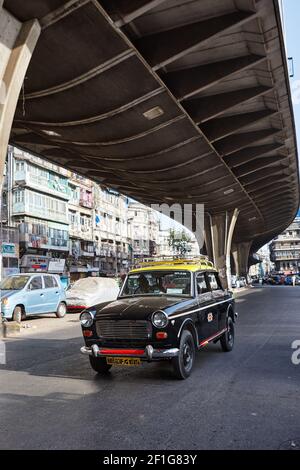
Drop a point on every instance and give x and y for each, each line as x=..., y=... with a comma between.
x=246, y=399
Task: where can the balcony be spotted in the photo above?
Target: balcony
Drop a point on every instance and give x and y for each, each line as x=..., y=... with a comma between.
x=281, y=256
x=20, y=208
x=43, y=242
x=286, y=247
x=46, y=185
x=80, y=231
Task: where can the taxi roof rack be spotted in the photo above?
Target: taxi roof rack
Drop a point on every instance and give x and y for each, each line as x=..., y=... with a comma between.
x=173, y=260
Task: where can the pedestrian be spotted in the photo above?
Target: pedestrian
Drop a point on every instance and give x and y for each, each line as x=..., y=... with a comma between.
x=294, y=280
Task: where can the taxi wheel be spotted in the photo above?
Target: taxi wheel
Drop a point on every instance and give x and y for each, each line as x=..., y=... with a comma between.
x=183, y=363
x=227, y=340
x=99, y=364
x=61, y=310
x=18, y=314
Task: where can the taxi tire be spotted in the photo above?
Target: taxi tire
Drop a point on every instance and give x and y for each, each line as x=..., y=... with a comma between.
x=61, y=310
x=181, y=370
x=227, y=343
x=99, y=364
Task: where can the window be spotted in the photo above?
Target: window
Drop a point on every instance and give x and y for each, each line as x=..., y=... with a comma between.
x=214, y=281
x=201, y=284
x=19, y=196
x=36, y=283
x=172, y=283
x=20, y=166
x=14, y=282
x=49, y=282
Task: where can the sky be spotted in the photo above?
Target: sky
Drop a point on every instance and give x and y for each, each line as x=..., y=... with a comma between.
x=292, y=34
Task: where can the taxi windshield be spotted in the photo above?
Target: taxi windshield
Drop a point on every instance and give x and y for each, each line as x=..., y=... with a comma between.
x=175, y=283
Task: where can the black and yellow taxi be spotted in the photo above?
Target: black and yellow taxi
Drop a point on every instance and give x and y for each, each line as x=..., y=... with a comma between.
x=165, y=311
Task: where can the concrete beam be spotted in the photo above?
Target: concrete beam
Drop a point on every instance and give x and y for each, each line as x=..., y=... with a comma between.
x=123, y=11
x=263, y=186
x=163, y=48
x=256, y=165
x=216, y=129
x=188, y=82
x=250, y=153
x=260, y=174
x=273, y=197
x=239, y=141
x=203, y=109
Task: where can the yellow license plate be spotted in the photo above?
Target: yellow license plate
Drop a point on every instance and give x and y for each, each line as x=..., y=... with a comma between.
x=123, y=361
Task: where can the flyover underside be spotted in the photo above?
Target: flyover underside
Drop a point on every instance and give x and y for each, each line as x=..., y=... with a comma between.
x=166, y=101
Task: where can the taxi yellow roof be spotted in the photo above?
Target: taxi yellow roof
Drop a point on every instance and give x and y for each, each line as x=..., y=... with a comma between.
x=178, y=264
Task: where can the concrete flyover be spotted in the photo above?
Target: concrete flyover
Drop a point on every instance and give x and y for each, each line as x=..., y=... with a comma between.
x=167, y=101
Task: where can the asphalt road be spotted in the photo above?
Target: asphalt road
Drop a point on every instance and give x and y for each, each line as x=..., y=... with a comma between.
x=246, y=399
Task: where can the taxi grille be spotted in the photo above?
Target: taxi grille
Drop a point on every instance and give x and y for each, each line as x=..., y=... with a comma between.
x=123, y=329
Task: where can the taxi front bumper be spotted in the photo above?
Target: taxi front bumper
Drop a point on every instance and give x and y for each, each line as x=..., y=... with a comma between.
x=148, y=354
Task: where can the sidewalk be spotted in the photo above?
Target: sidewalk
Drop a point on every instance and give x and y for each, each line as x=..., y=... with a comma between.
x=46, y=323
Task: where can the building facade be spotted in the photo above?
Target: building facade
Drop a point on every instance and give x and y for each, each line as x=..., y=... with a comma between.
x=35, y=201
x=59, y=220
x=81, y=260
x=285, y=249
x=144, y=230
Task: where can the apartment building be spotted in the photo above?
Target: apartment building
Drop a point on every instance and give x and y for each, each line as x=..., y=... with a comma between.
x=34, y=200
x=144, y=230
x=81, y=260
x=113, y=231
x=285, y=249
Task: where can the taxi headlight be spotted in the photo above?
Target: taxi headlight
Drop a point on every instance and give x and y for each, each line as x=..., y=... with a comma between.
x=5, y=301
x=160, y=319
x=87, y=319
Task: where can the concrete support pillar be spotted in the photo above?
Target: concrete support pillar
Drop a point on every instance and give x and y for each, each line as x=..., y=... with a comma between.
x=221, y=232
x=17, y=43
x=207, y=237
x=240, y=253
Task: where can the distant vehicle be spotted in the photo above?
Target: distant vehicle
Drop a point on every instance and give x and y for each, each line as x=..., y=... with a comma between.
x=242, y=281
x=289, y=280
x=254, y=280
x=32, y=294
x=276, y=280
x=90, y=291
x=237, y=281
